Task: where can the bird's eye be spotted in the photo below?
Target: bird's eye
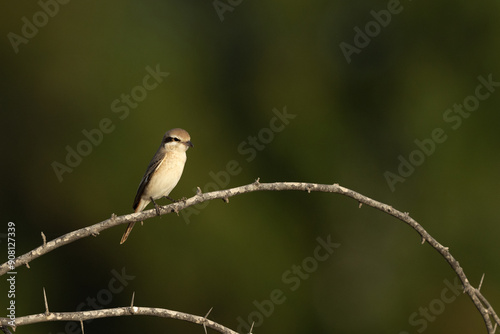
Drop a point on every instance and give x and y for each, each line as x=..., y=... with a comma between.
x=169, y=139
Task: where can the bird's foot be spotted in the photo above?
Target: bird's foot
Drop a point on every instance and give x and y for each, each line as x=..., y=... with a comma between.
x=157, y=207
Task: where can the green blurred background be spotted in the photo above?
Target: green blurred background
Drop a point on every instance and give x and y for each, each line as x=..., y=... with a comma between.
x=228, y=71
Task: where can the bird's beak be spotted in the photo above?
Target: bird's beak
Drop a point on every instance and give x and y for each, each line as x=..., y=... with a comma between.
x=188, y=143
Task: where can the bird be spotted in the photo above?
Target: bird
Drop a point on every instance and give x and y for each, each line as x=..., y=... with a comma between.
x=163, y=173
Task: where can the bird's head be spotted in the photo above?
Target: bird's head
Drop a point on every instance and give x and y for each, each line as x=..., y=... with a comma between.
x=177, y=140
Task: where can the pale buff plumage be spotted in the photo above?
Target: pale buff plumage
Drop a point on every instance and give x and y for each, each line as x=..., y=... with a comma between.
x=163, y=172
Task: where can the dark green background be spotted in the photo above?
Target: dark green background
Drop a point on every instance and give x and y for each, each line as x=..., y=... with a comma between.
x=353, y=120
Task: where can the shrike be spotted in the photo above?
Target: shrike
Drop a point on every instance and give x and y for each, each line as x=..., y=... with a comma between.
x=163, y=173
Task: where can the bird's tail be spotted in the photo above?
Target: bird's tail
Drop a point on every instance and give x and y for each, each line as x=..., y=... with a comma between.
x=138, y=207
x=127, y=232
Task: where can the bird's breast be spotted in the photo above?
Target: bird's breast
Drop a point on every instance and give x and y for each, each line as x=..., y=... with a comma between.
x=166, y=175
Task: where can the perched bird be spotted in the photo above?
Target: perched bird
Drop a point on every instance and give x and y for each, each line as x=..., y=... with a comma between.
x=163, y=172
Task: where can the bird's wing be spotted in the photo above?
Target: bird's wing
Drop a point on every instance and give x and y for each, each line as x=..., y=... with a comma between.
x=153, y=165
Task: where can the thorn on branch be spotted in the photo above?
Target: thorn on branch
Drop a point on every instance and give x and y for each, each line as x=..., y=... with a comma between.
x=46, y=303
x=132, y=302
x=251, y=328
x=360, y=205
x=257, y=181
x=226, y=199
x=205, y=319
x=423, y=240
x=44, y=239
x=113, y=216
x=206, y=315
x=480, y=283
x=27, y=265
x=198, y=191
x=133, y=309
x=83, y=329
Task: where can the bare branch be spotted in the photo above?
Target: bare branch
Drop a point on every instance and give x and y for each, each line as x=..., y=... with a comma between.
x=200, y=197
x=477, y=298
x=490, y=309
x=5, y=330
x=115, y=312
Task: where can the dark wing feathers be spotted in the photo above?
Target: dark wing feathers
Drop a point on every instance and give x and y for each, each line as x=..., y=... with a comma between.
x=153, y=165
